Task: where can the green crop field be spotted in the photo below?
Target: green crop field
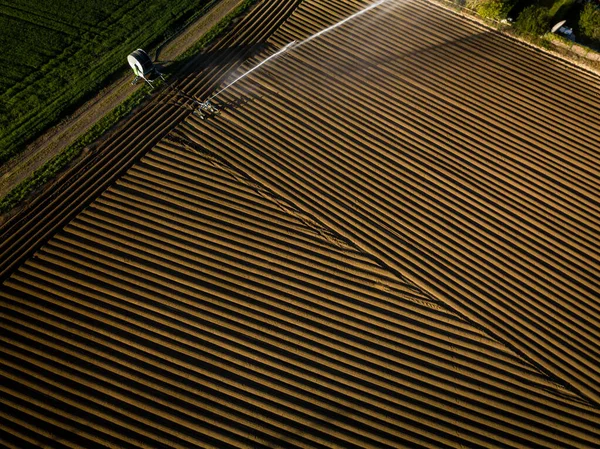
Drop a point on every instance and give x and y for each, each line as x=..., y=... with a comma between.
x=56, y=53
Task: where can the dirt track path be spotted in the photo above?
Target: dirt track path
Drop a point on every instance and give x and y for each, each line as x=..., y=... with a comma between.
x=251, y=280
x=59, y=137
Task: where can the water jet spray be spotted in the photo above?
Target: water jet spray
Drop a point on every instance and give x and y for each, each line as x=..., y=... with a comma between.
x=207, y=106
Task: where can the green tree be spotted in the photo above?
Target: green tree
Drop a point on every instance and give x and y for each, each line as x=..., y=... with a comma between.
x=533, y=21
x=493, y=9
x=589, y=22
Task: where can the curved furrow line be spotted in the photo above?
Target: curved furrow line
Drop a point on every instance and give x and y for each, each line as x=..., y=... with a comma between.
x=347, y=187
x=379, y=137
x=399, y=98
x=263, y=171
x=279, y=347
x=507, y=315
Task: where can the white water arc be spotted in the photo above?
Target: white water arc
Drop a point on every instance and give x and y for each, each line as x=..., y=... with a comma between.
x=341, y=22
x=274, y=55
x=295, y=44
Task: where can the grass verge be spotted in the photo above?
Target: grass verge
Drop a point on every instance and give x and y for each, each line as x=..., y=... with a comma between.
x=71, y=70
x=58, y=163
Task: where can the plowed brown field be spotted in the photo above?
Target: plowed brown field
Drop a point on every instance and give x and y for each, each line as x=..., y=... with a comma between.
x=391, y=242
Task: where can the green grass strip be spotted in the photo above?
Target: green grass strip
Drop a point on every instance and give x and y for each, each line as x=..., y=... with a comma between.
x=59, y=162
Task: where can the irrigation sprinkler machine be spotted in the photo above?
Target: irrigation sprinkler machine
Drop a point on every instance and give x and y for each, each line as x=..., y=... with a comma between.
x=205, y=109
x=143, y=67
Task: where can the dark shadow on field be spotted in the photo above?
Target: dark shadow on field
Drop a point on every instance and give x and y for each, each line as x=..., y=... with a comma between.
x=210, y=67
x=203, y=64
x=214, y=59
x=357, y=64
x=207, y=67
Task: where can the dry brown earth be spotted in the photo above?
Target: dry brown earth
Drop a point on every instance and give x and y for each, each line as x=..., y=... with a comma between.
x=255, y=279
x=464, y=159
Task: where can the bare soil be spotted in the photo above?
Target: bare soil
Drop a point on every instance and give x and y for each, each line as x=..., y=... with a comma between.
x=386, y=239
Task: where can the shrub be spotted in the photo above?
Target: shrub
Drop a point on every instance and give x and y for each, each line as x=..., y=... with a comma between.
x=533, y=21
x=589, y=22
x=493, y=9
